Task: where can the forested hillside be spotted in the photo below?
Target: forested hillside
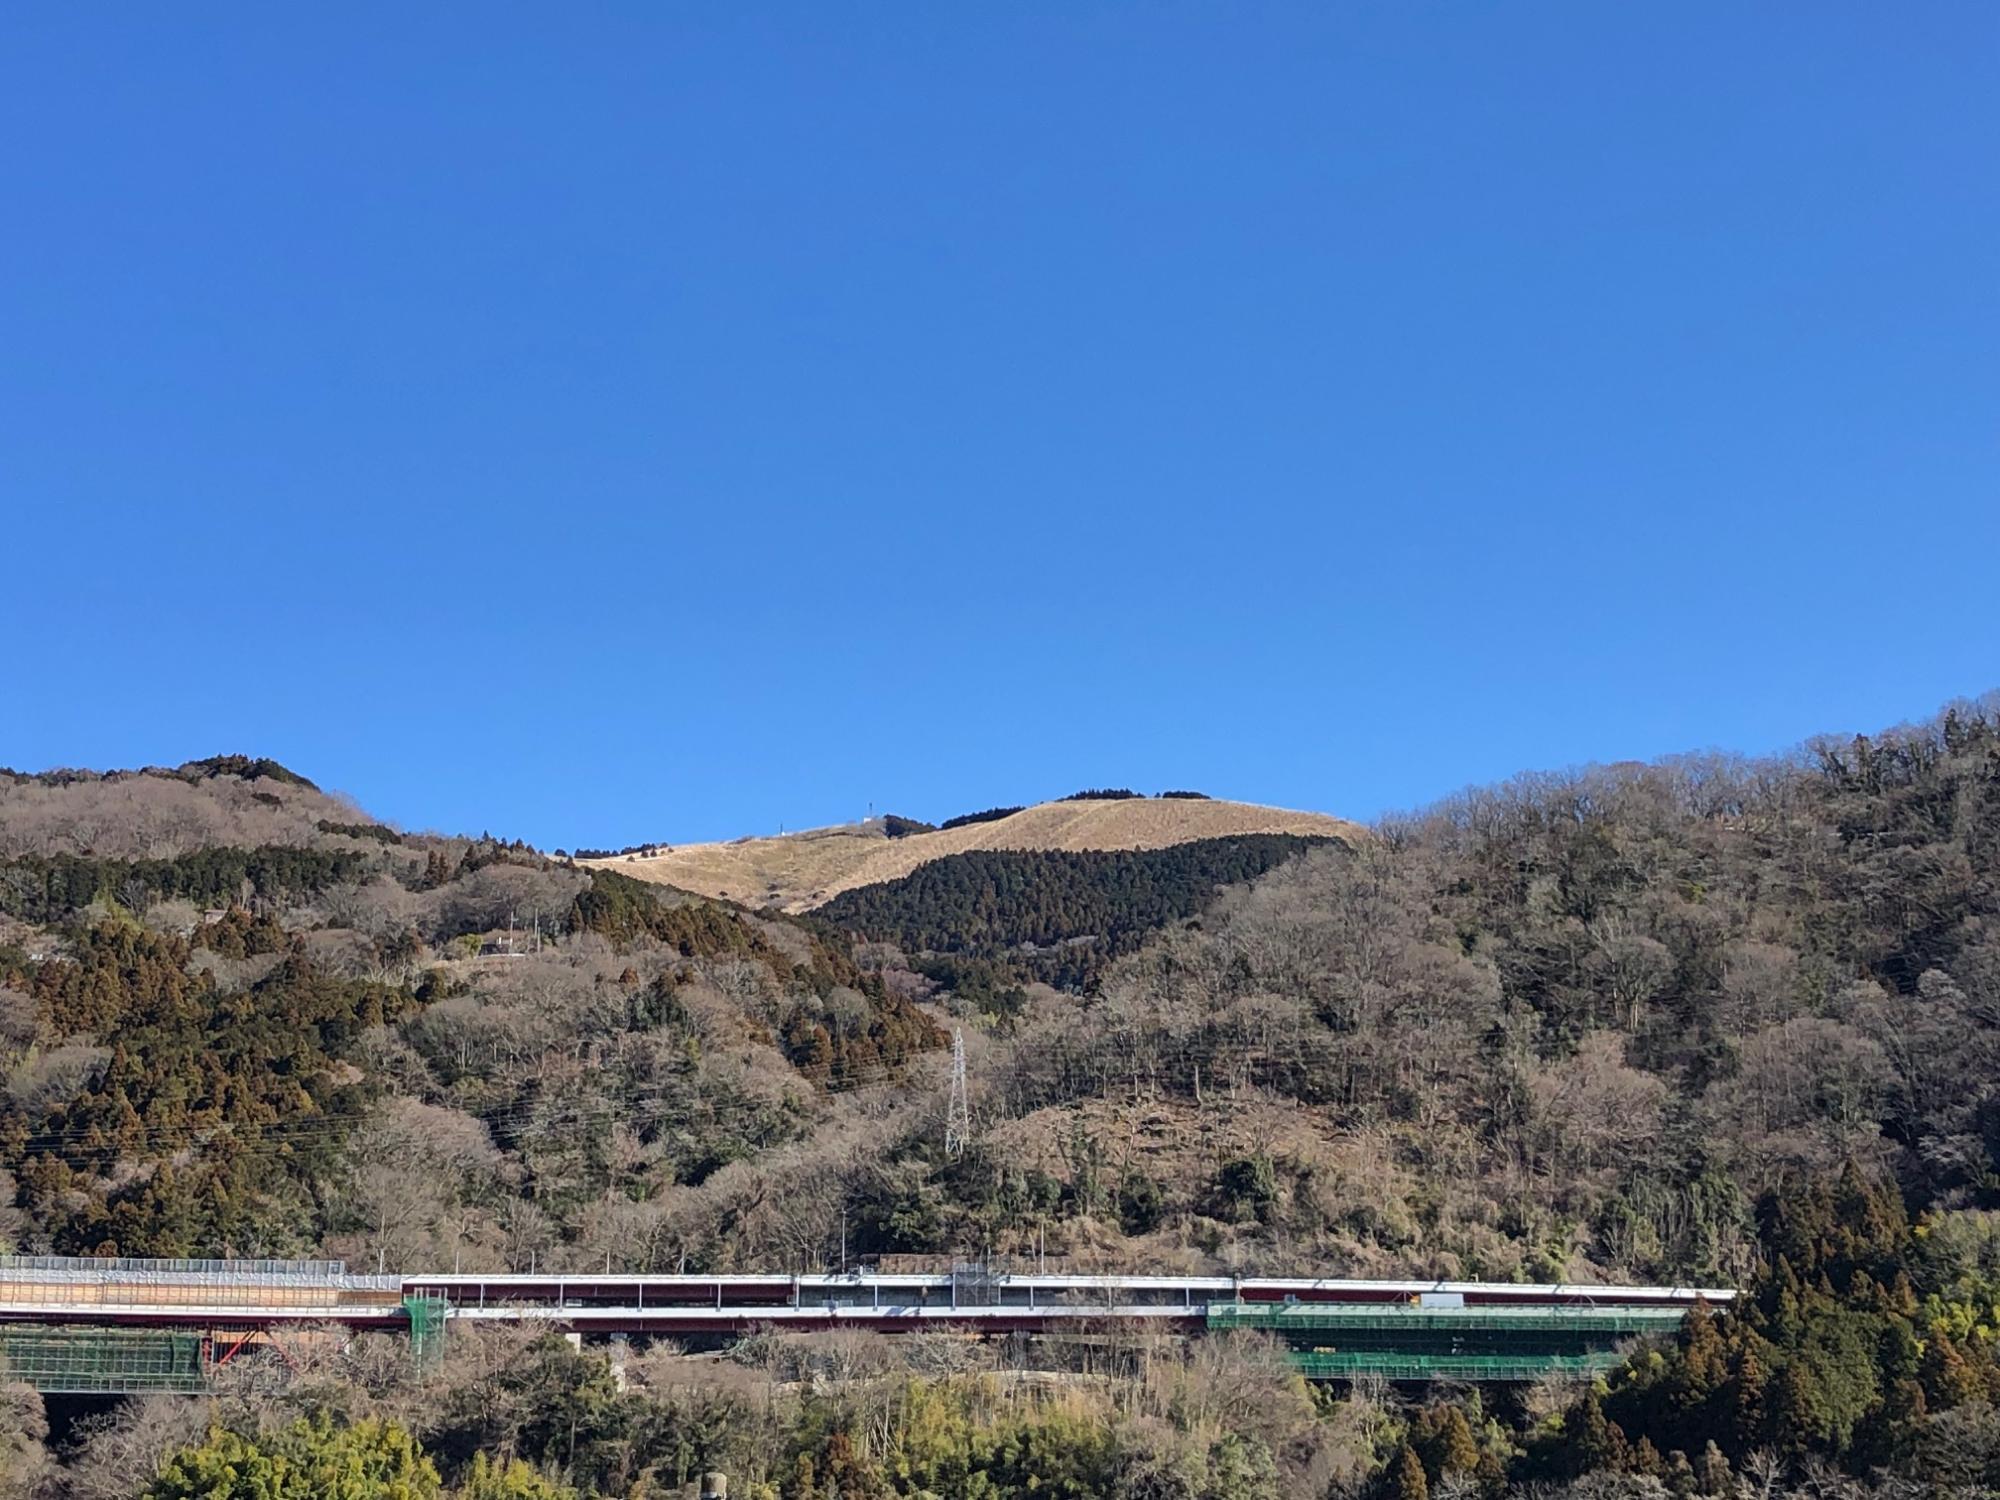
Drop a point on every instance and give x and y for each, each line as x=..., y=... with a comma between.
x=361, y=1042
x=1711, y=1020
x=1614, y=1007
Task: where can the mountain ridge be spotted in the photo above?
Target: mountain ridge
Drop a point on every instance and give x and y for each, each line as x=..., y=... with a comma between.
x=799, y=872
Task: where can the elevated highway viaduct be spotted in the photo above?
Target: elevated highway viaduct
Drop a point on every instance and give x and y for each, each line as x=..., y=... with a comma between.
x=111, y=1326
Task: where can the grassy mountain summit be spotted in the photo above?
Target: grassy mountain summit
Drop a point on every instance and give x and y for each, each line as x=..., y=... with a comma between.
x=797, y=872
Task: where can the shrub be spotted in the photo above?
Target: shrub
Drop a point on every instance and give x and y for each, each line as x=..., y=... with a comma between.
x=369, y=1460
x=1141, y=1203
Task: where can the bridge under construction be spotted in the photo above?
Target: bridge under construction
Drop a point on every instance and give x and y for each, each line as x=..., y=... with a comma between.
x=109, y=1327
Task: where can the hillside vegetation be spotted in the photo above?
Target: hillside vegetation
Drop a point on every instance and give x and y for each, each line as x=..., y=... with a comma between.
x=1706, y=1021
x=407, y=1047
x=800, y=871
x=226, y=801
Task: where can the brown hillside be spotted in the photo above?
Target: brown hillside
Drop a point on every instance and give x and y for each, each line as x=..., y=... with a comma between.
x=799, y=871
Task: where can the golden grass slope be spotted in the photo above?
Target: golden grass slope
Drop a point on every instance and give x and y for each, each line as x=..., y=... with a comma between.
x=798, y=871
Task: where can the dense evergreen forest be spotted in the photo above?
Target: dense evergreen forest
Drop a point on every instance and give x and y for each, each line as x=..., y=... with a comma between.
x=986, y=815
x=1054, y=915
x=1711, y=1020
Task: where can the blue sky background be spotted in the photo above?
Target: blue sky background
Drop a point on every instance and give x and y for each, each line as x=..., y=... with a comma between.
x=659, y=420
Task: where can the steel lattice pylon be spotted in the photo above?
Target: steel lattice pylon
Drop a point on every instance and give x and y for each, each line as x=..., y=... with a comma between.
x=958, y=1110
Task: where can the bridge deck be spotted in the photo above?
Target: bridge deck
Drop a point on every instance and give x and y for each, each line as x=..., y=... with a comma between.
x=118, y=1326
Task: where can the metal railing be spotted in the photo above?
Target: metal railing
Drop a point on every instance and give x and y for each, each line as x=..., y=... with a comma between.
x=156, y=1266
x=105, y=1271
x=1312, y=1316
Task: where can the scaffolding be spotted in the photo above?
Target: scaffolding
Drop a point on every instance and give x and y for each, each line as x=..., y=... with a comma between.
x=1495, y=1367
x=1336, y=1341
x=104, y=1361
x=79, y=1359
x=427, y=1315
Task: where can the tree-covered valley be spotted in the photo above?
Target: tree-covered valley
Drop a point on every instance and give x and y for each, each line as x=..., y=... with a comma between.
x=1711, y=1021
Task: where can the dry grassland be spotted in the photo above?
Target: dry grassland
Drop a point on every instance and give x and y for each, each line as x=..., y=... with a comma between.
x=799, y=871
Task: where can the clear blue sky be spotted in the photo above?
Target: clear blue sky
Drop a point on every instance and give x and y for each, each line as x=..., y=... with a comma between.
x=664, y=420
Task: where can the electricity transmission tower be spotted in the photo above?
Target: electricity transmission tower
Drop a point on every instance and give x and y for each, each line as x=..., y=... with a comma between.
x=957, y=1111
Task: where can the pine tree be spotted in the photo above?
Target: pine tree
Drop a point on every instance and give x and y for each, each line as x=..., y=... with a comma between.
x=1786, y=1309
x=1442, y=1439
x=1798, y=1407
x=1711, y=1471
x=1702, y=1365
x=1902, y=1296
x=1645, y=1458
x=1949, y=1379
x=1750, y=1406
x=1406, y=1479
x=1596, y=1442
